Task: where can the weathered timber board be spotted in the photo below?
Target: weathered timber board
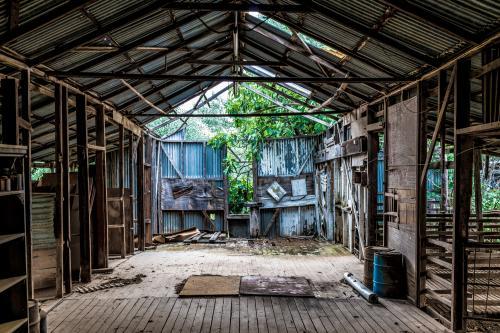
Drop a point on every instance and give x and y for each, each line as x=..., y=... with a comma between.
x=191, y=194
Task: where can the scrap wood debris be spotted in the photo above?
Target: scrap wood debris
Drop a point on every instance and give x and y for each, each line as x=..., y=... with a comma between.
x=112, y=283
x=191, y=235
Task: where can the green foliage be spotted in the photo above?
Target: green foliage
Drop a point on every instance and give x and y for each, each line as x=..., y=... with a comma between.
x=37, y=173
x=244, y=138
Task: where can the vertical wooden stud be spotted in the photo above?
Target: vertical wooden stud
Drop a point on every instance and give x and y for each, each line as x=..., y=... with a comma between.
x=58, y=225
x=83, y=188
x=67, y=278
x=101, y=197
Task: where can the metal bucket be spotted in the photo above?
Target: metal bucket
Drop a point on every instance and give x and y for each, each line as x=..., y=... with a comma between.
x=368, y=269
x=34, y=316
x=388, y=275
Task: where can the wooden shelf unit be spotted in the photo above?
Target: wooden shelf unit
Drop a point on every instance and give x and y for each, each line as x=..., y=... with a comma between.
x=13, y=249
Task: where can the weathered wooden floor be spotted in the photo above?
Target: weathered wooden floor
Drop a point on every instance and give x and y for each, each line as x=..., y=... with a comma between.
x=237, y=314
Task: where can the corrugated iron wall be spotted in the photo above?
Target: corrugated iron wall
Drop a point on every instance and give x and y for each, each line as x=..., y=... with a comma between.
x=285, y=157
x=43, y=220
x=190, y=160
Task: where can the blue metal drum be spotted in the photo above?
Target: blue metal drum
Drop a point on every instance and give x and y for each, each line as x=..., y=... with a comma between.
x=388, y=274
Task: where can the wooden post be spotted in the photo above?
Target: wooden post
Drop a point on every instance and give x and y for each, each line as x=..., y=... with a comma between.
x=58, y=225
x=83, y=188
x=141, y=225
x=478, y=194
x=442, y=84
x=421, y=190
x=101, y=197
x=10, y=110
x=372, y=167
x=66, y=219
x=131, y=186
x=462, y=195
x=226, y=189
x=26, y=138
x=121, y=176
x=386, y=172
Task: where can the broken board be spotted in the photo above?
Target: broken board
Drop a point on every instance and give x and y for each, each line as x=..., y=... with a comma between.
x=295, y=286
x=211, y=285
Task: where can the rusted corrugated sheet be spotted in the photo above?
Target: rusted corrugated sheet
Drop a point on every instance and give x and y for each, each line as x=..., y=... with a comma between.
x=172, y=221
x=43, y=220
x=193, y=160
x=287, y=157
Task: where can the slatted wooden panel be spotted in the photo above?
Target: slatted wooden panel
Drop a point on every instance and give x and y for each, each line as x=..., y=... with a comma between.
x=237, y=314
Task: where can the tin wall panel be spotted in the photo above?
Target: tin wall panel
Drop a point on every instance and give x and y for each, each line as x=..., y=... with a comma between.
x=43, y=220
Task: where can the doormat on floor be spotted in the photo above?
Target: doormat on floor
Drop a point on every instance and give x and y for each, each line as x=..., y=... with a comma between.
x=295, y=286
x=211, y=285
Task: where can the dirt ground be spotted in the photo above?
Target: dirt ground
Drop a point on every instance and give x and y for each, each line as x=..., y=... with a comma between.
x=165, y=267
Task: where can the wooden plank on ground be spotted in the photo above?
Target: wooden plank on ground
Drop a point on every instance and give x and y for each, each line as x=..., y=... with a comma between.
x=261, y=315
x=287, y=315
x=128, y=317
x=207, y=317
x=270, y=319
x=199, y=315
x=142, y=322
x=306, y=319
x=225, y=323
x=161, y=315
x=217, y=317
x=235, y=314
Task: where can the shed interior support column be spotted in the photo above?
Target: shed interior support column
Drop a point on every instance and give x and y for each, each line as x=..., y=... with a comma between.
x=66, y=217
x=121, y=176
x=101, y=216
x=141, y=225
x=130, y=229
x=83, y=188
x=462, y=194
x=442, y=84
x=58, y=225
x=421, y=190
x=386, y=172
x=371, y=230
x=26, y=140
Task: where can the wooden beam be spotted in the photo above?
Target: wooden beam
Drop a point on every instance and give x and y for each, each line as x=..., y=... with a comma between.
x=462, y=194
x=421, y=190
x=478, y=195
x=372, y=170
x=58, y=221
x=131, y=178
x=67, y=275
x=236, y=63
x=121, y=177
x=437, y=129
x=141, y=223
x=478, y=129
x=83, y=189
x=223, y=78
x=277, y=212
x=13, y=15
x=101, y=212
x=25, y=84
x=491, y=66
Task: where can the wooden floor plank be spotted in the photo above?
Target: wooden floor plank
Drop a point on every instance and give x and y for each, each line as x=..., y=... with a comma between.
x=287, y=316
x=129, y=317
x=113, y=308
x=314, y=305
x=278, y=314
x=76, y=315
x=159, y=318
x=113, y=325
x=217, y=316
x=341, y=312
x=373, y=324
x=243, y=316
x=200, y=313
x=271, y=321
x=235, y=315
x=306, y=319
x=141, y=325
x=409, y=321
x=253, y=325
x=225, y=324
x=61, y=311
x=261, y=315
x=207, y=317
x=191, y=315
x=183, y=313
x=297, y=320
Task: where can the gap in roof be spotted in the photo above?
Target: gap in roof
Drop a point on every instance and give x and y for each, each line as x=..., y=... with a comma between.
x=291, y=85
x=307, y=39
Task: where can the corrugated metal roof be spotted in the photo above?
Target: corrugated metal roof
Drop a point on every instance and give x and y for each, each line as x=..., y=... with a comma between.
x=373, y=59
